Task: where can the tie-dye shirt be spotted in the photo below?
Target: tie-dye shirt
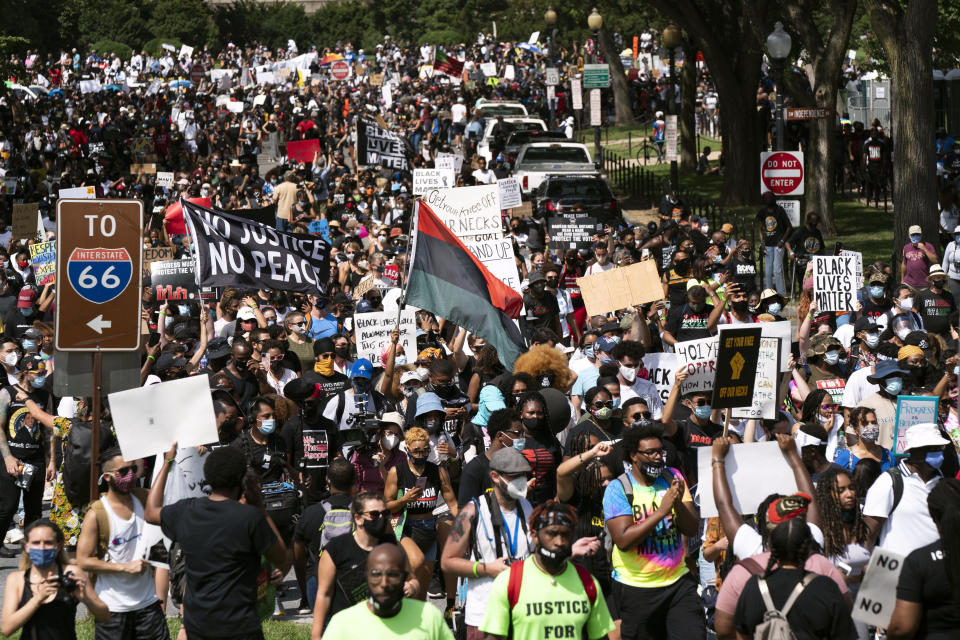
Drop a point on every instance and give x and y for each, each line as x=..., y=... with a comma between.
x=656, y=561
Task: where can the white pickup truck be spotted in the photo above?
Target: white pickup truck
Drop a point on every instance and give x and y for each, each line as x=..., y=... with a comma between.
x=511, y=124
x=537, y=160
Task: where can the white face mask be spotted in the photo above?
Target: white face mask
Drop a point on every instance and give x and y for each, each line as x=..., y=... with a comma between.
x=906, y=304
x=423, y=372
x=389, y=441
x=517, y=488
x=629, y=373
x=400, y=360
x=11, y=359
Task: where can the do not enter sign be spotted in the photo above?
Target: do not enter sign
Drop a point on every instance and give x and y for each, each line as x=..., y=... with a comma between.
x=340, y=69
x=781, y=172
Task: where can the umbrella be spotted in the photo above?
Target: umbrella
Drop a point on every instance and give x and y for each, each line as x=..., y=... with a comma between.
x=532, y=48
x=58, y=92
x=112, y=87
x=330, y=57
x=176, y=84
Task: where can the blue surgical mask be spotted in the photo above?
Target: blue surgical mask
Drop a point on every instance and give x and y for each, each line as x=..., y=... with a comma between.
x=915, y=238
x=588, y=350
x=29, y=345
x=774, y=308
x=519, y=443
x=42, y=558
x=872, y=340
x=268, y=426
x=893, y=385
x=876, y=291
x=27, y=312
x=956, y=238
x=167, y=321
x=703, y=411
x=831, y=357
x=956, y=370
x=38, y=382
x=934, y=459
x=616, y=403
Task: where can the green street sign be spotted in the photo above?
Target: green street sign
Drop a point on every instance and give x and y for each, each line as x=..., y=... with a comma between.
x=596, y=76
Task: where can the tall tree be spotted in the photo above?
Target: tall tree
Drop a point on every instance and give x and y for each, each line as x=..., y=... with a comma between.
x=906, y=30
x=688, y=107
x=618, y=78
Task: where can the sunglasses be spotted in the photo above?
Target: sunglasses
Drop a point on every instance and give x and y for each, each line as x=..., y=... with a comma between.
x=700, y=402
x=122, y=471
x=608, y=403
x=640, y=415
x=377, y=514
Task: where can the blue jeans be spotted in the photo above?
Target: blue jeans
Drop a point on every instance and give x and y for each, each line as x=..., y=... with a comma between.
x=773, y=267
x=311, y=591
x=283, y=225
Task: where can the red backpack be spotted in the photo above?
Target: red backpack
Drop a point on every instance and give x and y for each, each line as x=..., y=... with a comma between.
x=516, y=577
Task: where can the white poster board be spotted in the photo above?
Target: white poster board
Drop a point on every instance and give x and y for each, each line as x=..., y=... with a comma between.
x=835, y=282
x=488, y=68
x=766, y=381
x=426, y=179
x=700, y=359
x=792, y=209
x=444, y=160
x=877, y=595
x=497, y=257
x=471, y=213
x=150, y=419
x=754, y=471
x=82, y=193
x=373, y=333
x=509, y=193
x=165, y=179
x=660, y=369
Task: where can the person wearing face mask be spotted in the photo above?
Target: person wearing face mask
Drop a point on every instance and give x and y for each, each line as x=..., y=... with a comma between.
x=18, y=321
x=819, y=408
x=916, y=259
x=385, y=612
x=773, y=303
x=864, y=343
x=342, y=407
x=896, y=508
x=698, y=429
x=598, y=419
x=695, y=319
x=936, y=303
x=823, y=363
x=373, y=465
x=542, y=592
x=647, y=510
x=9, y=357
x=863, y=423
x=125, y=580
x=263, y=448
x=322, y=371
x=889, y=376
x=35, y=599
x=676, y=280
x=421, y=487
x=300, y=344
x=902, y=313
x=739, y=307
x=543, y=312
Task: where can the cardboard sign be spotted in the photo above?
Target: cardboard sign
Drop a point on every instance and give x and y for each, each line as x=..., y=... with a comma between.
x=471, y=213
x=509, y=193
x=736, y=367
x=660, y=368
x=488, y=68
x=165, y=179
x=877, y=595
x=835, y=282
x=764, y=403
x=148, y=420
x=302, y=150
x=373, y=333
x=175, y=280
x=364, y=286
x=376, y=79
x=43, y=255
x=497, y=256
x=574, y=233
x=621, y=288
x=700, y=359
x=754, y=471
x=25, y=220
x=146, y=168
x=426, y=179
x=444, y=160
x=525, y=209
x=315, y=448
x=912, y=410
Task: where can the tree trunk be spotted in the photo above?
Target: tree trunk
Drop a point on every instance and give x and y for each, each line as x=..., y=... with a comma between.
x=741, y=142
x=618, y=79
x=688, y=105
x=819, y=158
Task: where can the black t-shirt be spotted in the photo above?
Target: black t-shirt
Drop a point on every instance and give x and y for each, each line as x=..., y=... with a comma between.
x=222, y=542
x=690, y=437
x=818, y=613
x=474, y=479
x=268, y=460
x=924, y=580
x=935, y=309
x=309, y=528
x=350, y=578
x=807, y=243
x=8, y=302
x=15, y=324
x=247, y=386
x=774, y=224
x=875, y=308
x=541, y=312
x=329, y=385
x=686, y=324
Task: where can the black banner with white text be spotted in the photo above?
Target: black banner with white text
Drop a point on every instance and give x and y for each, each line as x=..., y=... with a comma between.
x=377, y=146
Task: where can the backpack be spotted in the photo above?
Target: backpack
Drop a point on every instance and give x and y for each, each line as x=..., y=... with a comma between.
x=337, y=521
x=496, y=517
x=516, y=578
x=897, y=478
x=103, y=520
x=625, y=480
x=76, y=459
x=775, y=625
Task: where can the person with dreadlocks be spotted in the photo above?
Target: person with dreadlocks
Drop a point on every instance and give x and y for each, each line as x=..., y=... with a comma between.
x=846, y=539
x=929, y=586
x=811, y=603
x=547, y=596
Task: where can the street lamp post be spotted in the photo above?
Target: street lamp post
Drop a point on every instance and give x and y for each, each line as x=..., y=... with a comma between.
x=550, y=17
x=595, y=23
x=778, y=48
x=671, y=40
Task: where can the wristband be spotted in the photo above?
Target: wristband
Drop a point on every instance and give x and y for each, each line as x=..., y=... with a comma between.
x=475, y=565
x=716, y=460
x=161, y=312
x=170, y=460
x=150, y=357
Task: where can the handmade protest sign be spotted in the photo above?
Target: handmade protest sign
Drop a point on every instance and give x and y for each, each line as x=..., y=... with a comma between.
x=378, y=146
x=835, y=282
x=153, y=254
x=425, y=179
x=764, y=402
x=176, y=280
x=497, y=257
x=509, y=193
x=471, y=213
x=574, y=233
x=620, y=288
x=25, y=221
x=165, y=179
x=660, y=368
x=700, y=359
x=444, y=160
x=43, y=255
x=912, y=410
x=373, y=333
x=235, y=252
x=877, y=596
x=150, y=419
x=736, y=367
x=302, y=150
x=364, y=286
x=754, y=471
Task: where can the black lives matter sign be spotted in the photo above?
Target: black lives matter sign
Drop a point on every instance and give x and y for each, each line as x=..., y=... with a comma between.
x=836, y=280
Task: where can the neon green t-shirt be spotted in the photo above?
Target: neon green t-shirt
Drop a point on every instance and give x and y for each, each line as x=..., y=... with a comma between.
x=544, y=610
x=416, y=621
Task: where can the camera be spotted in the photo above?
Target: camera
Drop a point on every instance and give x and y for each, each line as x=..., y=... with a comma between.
x=67, y=583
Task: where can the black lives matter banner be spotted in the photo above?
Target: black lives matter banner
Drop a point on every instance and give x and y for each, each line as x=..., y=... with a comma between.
x=237, y=252
x=376, y=145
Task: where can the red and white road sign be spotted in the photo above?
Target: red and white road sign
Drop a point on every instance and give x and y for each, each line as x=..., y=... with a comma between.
x=196, y=73
x=782, y=173
x=340, y=69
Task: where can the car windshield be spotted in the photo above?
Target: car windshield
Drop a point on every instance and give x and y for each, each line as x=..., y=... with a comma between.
x=577, y=188
x=556, y=154
x=503, y=110
x=523, y=137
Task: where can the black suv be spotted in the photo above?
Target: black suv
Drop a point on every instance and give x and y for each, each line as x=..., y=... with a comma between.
x=567, y=195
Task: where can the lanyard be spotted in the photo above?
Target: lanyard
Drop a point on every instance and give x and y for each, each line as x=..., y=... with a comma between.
x=512, y=540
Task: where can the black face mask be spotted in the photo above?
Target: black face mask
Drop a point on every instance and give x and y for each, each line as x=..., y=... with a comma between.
x=681, y=266
x=652, y=469
x=555, y=559
x=740, y=306
x=342, y=352
x=532, y=424
x=376, y=527
x=546, y=380
x=444, y=390
x=432, y=426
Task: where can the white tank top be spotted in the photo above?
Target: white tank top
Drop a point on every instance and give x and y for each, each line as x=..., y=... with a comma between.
x=123, y=591
x=478, y=589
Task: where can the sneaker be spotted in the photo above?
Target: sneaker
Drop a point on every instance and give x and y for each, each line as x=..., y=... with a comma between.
x=304, y=609
x=435, y=590
x=48, y=493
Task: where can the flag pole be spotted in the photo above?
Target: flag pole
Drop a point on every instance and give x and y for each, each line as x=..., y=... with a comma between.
x=402, y=300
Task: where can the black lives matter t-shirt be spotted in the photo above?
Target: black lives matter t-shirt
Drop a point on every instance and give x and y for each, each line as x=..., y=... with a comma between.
x=686, y=324
x=924, y=580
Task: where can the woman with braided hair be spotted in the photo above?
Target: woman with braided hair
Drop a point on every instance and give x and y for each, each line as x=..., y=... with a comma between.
x=928, y=591
x=845, y=536
x=818, y=610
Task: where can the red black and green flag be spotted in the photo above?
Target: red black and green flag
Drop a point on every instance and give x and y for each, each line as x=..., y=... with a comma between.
x=448, y=280
x=446, y=64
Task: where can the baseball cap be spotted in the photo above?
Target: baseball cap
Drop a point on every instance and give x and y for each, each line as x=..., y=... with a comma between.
x=605, y=344
x=26, y=298
x=33, y=333
x=362, y=368
x=218, y=348
x=866, y=324
x=410, y=376
x=246, y=313
x=915, y=229
x=510, y=461
x=926, y=434
x=428, y=402
x=727, y=228
x=33, y=362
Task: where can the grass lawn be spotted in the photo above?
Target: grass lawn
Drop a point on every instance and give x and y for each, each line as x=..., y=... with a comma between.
x=272, y=630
